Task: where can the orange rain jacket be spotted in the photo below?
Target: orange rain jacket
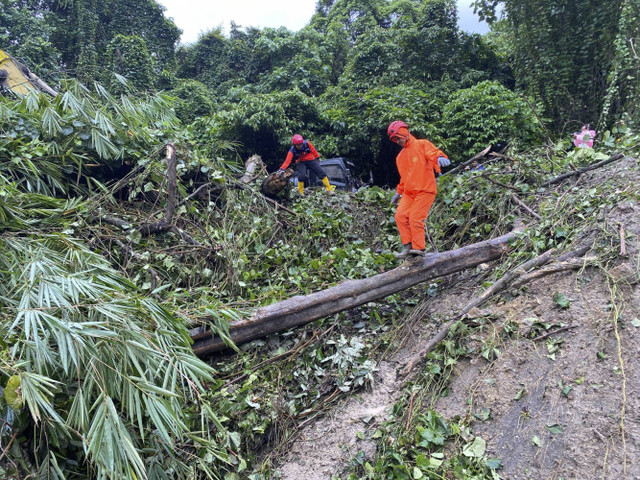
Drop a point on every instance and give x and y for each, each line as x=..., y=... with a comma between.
x=307, y=153
x=416, y=163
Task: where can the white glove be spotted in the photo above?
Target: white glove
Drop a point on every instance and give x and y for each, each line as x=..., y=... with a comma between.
x=444, y=161
x=396, y=199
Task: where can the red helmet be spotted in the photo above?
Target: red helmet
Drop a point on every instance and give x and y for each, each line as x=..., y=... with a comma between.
x=297, y=139
x=393, y=128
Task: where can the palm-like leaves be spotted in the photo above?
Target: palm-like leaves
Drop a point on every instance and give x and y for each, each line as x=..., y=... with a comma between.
x=97, y=363
x=50, y=138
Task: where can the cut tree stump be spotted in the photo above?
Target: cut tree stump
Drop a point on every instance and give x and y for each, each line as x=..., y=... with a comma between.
x=300, y=310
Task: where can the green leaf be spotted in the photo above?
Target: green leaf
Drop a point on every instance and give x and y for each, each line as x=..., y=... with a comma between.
x=561, y=300
x=484, y=414
x=13, y=393
x=555, y=428
x=476, y=448
x=536, y=441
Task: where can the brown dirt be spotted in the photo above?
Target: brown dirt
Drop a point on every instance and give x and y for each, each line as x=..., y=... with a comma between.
x=596, y=421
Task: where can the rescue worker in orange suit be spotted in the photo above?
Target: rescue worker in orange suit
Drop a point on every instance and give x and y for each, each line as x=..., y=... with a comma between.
x=306, y=158
x=418, y=163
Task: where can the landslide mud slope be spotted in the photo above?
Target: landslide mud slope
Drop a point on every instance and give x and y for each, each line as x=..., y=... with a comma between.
x=551, y=405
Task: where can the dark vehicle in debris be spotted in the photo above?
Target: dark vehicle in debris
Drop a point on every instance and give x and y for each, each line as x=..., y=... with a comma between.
x=340, y=173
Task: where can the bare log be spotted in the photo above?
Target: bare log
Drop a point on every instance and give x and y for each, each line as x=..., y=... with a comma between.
x=301, y=310
x=580, y=171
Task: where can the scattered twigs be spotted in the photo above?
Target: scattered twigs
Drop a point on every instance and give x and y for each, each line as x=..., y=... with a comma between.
x=623, y=243
x=519, y=202
x=506, y=279
x=441, y=335
x=111, y=220
x=488, y=293
x=487, y=176
x=468, y=162
x=185, y=236
x=206, y=187
x=600, y=436
x=580, y=171
x=279, y=205
x=289, y=353
x=557, y=330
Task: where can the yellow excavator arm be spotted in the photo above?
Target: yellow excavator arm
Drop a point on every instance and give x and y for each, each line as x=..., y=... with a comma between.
x=17, y=78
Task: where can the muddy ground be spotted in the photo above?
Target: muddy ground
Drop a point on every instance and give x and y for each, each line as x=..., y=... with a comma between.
x=566, y=406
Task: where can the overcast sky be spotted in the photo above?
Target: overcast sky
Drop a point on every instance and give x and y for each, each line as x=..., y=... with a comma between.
x=194, y=17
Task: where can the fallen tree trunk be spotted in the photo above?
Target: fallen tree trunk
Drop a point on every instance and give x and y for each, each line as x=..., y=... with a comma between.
x=301, y=310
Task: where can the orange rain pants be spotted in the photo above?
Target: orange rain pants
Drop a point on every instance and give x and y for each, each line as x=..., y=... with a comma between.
x=411, y=213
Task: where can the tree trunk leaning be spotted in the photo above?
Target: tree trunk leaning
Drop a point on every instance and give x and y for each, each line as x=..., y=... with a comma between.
x=301, y=310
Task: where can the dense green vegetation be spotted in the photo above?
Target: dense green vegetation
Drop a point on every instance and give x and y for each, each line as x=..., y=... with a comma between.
x=97, y=379
x=353, y=69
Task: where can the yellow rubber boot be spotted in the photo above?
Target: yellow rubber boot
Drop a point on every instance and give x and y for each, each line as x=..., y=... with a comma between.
x=301, y=188
x=327, y=185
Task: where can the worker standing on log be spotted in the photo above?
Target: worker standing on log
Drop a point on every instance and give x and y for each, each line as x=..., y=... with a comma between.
x=418, y=163
x=306, y=157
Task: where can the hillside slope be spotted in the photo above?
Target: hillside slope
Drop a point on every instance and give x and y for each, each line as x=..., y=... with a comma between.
x=550, y=379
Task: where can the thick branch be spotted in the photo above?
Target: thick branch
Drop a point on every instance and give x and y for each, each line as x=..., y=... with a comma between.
x=580, y=171
x=468, y=162
x=301, y=310
x=556, y=267
x=519, y=202
x=172, y=183
x=503, y=282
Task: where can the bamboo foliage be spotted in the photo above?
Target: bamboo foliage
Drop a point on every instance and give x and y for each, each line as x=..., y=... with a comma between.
x=98, y=365
x=79, y=126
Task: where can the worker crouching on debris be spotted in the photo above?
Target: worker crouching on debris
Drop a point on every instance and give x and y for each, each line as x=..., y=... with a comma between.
x=418, y=163
x=306, y=158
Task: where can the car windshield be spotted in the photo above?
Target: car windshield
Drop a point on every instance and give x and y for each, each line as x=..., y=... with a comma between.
x=335, y=172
